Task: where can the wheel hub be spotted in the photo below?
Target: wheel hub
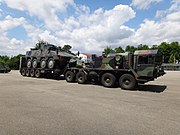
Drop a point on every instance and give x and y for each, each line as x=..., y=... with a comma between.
x=127, y=82
x=108, y=80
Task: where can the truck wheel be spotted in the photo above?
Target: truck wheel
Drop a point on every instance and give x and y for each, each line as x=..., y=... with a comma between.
x=43, y=63
x=51, y=63
x=108, y=80
x=35, y=63
x=32, y=73
x=93, y=77
x=70, y=76
x=23, y=72
x=81, y=77
x=127, y=82
x=29, y=63
x=27, y=73
x=37, y=73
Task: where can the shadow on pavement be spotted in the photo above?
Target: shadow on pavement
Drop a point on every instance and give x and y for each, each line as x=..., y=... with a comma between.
x=152, y=88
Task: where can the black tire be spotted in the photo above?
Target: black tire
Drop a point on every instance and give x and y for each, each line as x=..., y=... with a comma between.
x=35, y=63
x=23, y=72
x=70, y=76
x=51, y=63
x=37, y=73
x=93, y=77
x=108, y=80
x=127, y=82
x=81, y=77
x=29, y=63
x=32, y=73
x=43, y=63
x=27, y=73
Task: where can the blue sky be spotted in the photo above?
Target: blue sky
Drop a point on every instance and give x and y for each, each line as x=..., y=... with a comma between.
x=87, y=25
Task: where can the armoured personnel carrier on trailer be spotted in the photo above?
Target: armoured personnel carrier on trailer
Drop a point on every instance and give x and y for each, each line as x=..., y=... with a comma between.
x=4, y=68
x=47, y=60
x=125, y=69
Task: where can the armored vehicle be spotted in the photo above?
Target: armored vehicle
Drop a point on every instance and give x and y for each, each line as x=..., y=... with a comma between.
x=47, y=60
x=4, y=68
x=125, y=69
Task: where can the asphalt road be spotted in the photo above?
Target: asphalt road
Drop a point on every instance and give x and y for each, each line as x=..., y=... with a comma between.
x=30, y=106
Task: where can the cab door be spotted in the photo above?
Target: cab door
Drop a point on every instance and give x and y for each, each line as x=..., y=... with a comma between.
x=145, y=65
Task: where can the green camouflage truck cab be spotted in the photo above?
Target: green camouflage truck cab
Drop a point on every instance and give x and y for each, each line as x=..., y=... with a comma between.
x=125, y=69
x=148, y=64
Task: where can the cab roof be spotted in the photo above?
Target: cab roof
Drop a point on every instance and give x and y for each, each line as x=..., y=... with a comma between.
x=146, y=52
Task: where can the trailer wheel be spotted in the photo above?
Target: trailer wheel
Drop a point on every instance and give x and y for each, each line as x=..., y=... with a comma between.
x=32, y=73
x=37, y=73
x=51, y=63
x=23, y=72
x=127, y=82
x=35, y=63
x=43, y=63
x=29, y=63
x=81, y=77
x=27, y=73
x=70, y=76
x=108, y=80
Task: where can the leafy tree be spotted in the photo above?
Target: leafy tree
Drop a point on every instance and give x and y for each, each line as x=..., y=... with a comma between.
x=108, y=50
x=119, y=50
x=166, y=51
x=131, y=49
x=143, y=47
x=14, y=62
x=4, y=59
x=154, y=47
x=172, y=58
x=41, y=42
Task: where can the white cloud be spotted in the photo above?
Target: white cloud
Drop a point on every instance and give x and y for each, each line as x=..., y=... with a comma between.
x=10, y=46
x=10, y=22
x=1, y=11
x=173, y=8
x=45, y=10
x=89, y=32
x=144, y=4
x=165, y=30
x=99, y=29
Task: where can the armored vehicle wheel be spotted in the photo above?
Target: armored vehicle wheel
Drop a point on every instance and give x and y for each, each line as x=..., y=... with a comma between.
x=35, y=63
x=108, y=80
x=38, y=73
x=23, y=72
x=32, y=73
x=43, y=63
x=81, y=77
x=127, y=82
x=27, y=73
x=70, y=76
x=29, y=63
x=51, y=63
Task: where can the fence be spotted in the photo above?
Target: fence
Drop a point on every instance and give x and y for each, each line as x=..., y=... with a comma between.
x=174, y=67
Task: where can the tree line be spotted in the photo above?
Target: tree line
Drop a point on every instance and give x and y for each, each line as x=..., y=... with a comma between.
x=170, y=51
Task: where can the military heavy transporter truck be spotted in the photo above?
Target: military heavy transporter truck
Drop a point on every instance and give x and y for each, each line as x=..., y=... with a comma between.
x=125, y=69
x=46, y=61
